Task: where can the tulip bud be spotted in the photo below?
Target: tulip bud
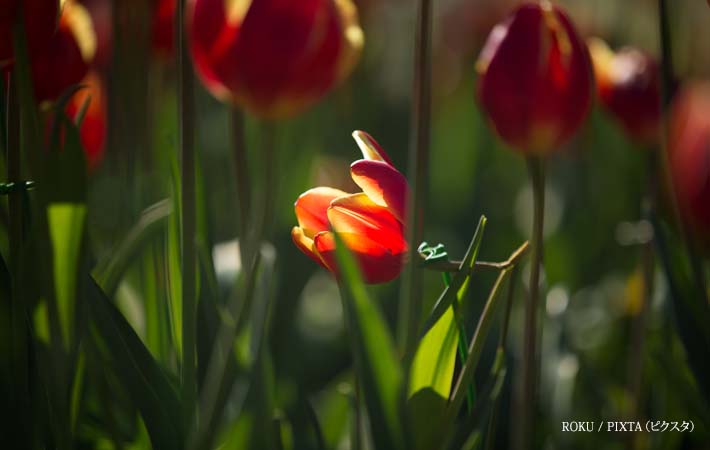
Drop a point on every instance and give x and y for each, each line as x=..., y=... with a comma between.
x=163, y=29
x=65, y=59
x=689, y=156
x=40, y=22
x=535, y=78
x=91, y=101
x=628, y=86
x=273, y=57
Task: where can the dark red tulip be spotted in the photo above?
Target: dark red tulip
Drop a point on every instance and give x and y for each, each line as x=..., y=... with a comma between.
x=40, y=23
x=689, y=156
x=65, y=60
x=628, y=86
x=273, y=57
x=93, y=126
x=163, y=29
x=370, y=222
x=535, y=78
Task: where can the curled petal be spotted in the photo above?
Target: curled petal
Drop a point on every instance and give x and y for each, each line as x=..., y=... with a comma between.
x=377, y=263
x=369, y=147
x=357, y=214
x=305, y=244
x=311, y=209
x=384, y=184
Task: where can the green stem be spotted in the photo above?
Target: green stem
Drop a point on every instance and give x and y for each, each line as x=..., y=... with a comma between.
x=410, y=303
x=536, y=167
x=241, y=168
x=186, y=128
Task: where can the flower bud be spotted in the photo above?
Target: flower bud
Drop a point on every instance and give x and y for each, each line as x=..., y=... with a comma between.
x=273, y=57
x=628, y=86
x=535, y=78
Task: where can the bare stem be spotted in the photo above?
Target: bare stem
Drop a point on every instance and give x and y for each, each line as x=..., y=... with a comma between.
x=537, y=177
x=241, y=168
x=186, y=128
x=410, y=304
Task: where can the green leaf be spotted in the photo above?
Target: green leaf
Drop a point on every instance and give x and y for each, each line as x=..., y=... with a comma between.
x=173, y=261
x=432, y=370
x=692, y=312
x=376, y=364
x=460, y=282
x=123, y=352
x=66, y=229
x=152, y=222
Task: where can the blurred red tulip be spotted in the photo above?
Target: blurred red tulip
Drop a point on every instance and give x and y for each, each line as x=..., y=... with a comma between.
x=65, y=59
x=40, y=21
x=370, y=222
x=93, y=126
x=535, y=78
x=628, y=86
x=689, y=156
x=163, y=29
x=273, y=57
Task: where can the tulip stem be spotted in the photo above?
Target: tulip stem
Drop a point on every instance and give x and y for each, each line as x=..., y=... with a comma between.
x=186, y=127
x=241, y=167
x=410, y=305
x=536, y=167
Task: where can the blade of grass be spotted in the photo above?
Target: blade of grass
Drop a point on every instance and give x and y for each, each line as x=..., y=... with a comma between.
x=376, y=365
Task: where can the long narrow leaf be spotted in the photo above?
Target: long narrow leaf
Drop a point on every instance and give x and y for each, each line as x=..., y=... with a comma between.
x=376, y=363
x=123, y=352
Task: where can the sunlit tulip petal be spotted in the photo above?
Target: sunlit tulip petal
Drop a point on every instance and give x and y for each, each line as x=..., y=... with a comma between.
x=384, y=184
x=377, y=263
x=306, y=245
x=359, y=215
x=311, y=209
x=370, y=148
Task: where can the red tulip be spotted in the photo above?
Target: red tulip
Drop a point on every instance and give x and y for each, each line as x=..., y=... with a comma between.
x=40, y=22
x=273, y=57
x=163, y=31
x=629, y=87
x=535, y=78
x=370, y=222
x=689, y=156
x=93, y=126
x=65, y=59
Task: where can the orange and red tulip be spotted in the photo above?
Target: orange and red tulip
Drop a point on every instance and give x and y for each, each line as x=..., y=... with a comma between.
x=65, y=60
x=689, y=156
x=273, y=57
x=40, y=23
x=628, y=86
x=371, y=223
x=535, y=78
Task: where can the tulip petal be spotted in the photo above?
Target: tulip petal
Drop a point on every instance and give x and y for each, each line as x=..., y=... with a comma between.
x=359, y=215
x=384, y=184
x=369, y=147
x=377, y=263
x=311, y=209
x=305, y=244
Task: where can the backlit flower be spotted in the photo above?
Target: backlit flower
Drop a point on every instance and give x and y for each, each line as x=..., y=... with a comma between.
x=628, y=86
x=535, y=78
x=273, y=57
x=371, y=223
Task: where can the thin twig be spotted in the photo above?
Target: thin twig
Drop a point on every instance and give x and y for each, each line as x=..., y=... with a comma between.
x=454, y=266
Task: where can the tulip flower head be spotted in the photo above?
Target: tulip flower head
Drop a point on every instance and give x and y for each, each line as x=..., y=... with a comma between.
x=371, y=223
x=535, y=78
x=689, y=156
x=273, y=57
x=65, y=60
x=629, y=87
x=92, y=130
